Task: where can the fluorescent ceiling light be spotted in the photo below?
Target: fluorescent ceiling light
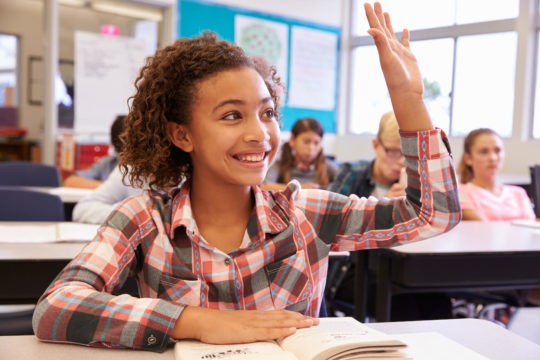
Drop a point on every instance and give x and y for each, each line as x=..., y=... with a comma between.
x=162, y=3
x=79, y=3
x=124, y=9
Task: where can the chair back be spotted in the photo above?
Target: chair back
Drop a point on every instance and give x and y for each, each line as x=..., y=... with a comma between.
x=26, y=173
x=535, y=188
x=19, y=204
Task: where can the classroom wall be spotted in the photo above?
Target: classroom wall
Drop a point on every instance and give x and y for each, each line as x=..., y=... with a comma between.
x=327, y=12
x=24, y=18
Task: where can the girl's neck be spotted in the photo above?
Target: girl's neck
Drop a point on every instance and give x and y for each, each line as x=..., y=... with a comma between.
x=489, y=184
x=302, y=165
x=221, y=213
x=225, y=201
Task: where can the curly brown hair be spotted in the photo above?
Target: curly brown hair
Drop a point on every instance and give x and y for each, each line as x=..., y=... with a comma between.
x=166, y=90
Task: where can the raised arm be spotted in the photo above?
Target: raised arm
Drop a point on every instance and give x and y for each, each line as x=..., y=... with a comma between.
x=400, y=70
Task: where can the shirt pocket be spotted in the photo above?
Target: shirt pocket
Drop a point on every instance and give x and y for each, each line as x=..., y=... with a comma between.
x=180, y=290
x=289, y=282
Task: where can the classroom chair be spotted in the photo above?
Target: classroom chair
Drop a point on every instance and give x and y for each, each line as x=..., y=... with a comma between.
x=25, y=205
x=19, y=204
x=535, y=188
x=25, y=173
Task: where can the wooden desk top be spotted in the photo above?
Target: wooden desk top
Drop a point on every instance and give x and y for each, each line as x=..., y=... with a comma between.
x=481, y=336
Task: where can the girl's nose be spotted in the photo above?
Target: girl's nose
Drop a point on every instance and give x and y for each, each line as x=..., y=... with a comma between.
x=256, y=130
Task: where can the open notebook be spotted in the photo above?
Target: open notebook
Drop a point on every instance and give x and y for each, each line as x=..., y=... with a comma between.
x=334, y=338
x=22, y=232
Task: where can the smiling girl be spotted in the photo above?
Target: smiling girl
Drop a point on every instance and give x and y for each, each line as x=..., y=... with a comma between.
x=216, y=258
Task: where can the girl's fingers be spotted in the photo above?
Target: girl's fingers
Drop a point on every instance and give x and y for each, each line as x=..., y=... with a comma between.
x=389, y=29
x=405, y=38
x=371, y=17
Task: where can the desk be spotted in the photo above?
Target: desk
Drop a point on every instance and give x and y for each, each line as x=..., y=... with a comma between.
x=69, y=195
x=29, y=268
x=481, y=336
x=473, y=256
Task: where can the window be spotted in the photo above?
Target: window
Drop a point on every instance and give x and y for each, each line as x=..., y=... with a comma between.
x=484, y=83
x=8, y=71
x=467, y=52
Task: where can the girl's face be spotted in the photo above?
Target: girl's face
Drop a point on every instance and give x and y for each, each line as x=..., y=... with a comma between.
x=486, y=156
x=307, y=145
x=234, y=134
x=390, y=160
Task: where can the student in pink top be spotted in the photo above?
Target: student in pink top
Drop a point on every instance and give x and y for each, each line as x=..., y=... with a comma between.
x=482, y=197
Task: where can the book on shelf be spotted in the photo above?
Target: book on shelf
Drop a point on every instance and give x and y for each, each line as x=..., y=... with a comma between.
x=341, y=338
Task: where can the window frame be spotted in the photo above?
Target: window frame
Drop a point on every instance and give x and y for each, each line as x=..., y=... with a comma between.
x=526, y=25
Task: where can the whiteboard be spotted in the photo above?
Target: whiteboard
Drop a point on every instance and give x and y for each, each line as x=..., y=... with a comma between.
x=105, y=71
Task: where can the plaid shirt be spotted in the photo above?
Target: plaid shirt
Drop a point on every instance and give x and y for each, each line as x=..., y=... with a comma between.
x=281, y=263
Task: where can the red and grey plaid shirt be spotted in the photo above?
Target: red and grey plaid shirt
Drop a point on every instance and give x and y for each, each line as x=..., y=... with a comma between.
x=281, y=263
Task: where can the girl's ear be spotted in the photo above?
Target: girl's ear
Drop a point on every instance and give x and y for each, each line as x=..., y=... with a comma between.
x=292, y=142
x=179, y=136
x=467, y=159
x=375, y=143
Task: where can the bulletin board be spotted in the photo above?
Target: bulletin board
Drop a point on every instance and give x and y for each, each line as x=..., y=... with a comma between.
x=305, y=54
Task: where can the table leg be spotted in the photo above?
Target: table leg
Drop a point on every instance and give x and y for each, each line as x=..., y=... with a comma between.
x=361, y=285
x=384, y=290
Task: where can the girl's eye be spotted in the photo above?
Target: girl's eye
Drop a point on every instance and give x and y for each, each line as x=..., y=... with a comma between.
x=270, y=113
x=232, y=116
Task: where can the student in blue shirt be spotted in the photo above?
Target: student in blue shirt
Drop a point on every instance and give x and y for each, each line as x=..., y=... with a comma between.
x=93, y=176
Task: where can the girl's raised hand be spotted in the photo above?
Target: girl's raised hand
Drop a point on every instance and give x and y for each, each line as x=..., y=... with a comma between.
x=400, y=70
x=398, y=63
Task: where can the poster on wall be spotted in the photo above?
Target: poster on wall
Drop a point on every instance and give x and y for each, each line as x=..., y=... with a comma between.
x=313, y=68
x=105, y=71
x=264, y=39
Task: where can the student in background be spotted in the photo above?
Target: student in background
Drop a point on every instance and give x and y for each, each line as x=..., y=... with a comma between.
x=482, y=196
x=381, y=177
x=96, y=207
x=98, y=172
x=218, y=259
x=302, y=158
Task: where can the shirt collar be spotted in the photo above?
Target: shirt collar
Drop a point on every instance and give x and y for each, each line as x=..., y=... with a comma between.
x=270, y=215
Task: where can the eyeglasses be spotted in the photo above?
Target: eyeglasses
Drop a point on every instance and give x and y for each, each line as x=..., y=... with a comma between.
x=391, y=153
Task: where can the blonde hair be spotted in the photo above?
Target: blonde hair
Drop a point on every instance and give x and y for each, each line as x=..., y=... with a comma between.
x=388, y=127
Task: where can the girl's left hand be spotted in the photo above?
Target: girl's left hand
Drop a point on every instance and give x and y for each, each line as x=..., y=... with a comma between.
x=398, y=63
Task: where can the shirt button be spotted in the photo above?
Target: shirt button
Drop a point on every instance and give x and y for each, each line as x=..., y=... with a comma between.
x=227, y=261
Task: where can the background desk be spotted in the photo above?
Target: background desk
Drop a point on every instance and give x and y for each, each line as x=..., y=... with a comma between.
x=481, y=336
x=474, y=255
x=69, y=195
x=27, y=269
